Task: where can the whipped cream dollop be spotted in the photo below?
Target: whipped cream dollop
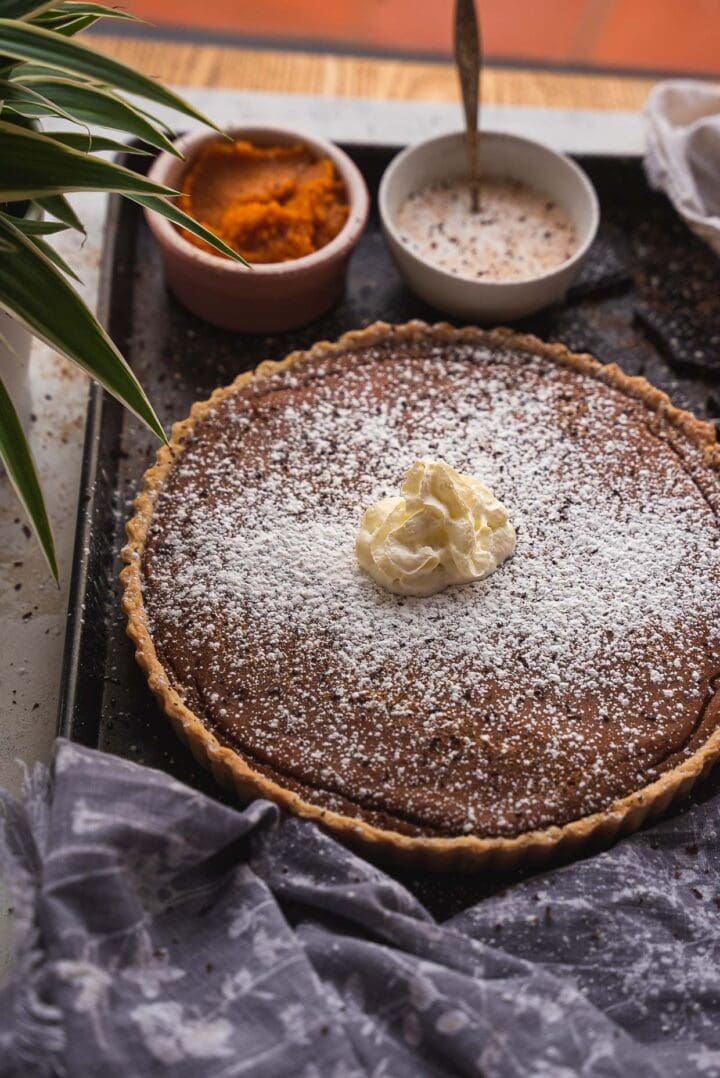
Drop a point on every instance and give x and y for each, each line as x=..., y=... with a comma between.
x=446, y=528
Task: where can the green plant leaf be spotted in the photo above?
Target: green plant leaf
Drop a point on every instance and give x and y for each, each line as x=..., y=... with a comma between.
x=167, y=129
x=30, y=227
x=22, y=9
x=24, y=41
x=33, y=165
x=51, y=254
x=22, y=70
x=70, y=19
x=91, y=143
x=58, y=206
x=75, y=25
x=30, y=101
x=23, y=107
x=168, y=209
x=89, y=104
x=74, y=10
x=36, y=293
x=22, y=473
x=51, y=16
x=111, y=178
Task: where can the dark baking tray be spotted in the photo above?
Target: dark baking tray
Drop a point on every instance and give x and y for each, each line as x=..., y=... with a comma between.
x=649, y=299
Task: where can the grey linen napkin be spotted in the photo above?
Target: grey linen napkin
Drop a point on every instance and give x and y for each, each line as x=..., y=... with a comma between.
x=682, y=119
x=160, y=932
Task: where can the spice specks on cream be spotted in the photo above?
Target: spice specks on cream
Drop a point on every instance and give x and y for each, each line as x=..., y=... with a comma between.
x=517, y=234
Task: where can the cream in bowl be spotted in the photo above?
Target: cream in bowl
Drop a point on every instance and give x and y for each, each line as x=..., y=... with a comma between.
x=293, y=204
x=517, y=232
x=519, y=253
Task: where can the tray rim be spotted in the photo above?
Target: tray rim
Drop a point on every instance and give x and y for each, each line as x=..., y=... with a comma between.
x=87, y=494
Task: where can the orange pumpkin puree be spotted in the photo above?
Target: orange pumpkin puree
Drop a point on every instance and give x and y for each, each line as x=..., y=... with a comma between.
x=269, y=203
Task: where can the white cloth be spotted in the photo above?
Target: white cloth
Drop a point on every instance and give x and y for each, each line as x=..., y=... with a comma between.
x=683, y=152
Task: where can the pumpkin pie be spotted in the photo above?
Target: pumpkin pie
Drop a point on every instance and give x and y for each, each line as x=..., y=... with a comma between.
x=561, y=701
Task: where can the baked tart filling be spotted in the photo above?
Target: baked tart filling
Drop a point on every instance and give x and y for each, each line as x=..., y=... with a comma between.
x=569, y=693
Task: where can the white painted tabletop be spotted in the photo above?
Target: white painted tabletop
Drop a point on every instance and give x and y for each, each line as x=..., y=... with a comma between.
x=32, y=609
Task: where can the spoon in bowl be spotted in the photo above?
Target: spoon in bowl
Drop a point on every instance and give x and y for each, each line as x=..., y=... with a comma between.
x=468, y=58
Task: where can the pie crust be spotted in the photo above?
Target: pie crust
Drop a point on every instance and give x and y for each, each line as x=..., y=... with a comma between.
x=465, y=852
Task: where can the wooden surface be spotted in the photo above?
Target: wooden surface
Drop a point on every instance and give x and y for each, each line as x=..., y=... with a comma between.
x=352, y=76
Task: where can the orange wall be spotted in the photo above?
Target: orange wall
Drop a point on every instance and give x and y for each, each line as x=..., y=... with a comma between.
x=636, y=34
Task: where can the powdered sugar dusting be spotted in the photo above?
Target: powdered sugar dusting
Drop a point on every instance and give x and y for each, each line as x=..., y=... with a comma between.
x=540, y=693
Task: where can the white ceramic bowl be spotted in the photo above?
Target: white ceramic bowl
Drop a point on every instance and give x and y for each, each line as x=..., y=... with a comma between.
x=500, y=155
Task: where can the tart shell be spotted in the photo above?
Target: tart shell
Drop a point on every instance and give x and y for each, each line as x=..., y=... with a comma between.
x=458, y=853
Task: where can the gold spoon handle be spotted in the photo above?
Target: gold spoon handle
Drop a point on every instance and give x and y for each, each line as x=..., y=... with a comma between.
x=468, y=58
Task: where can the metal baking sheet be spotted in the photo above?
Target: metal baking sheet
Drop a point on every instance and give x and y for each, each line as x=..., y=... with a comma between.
x=649, y=300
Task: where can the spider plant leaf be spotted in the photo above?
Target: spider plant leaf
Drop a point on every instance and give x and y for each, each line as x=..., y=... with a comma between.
x=75, y=25
x=27, y=72
x=23, y=71
x=168, y=209
x=70, y=19
x=31, y=227
x=31, y=101
x=166, y=128
x=26, y=41
x=92, y=143
x=33, y=165
x=89, y=104
x=25, y=110
x=36, y=293
x=59, y=207
x=51, y=254
x=24, y=9
x=59, y=12
x=21, y=471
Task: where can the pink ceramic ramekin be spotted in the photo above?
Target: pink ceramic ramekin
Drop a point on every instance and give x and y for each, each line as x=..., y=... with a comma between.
x=269, y=297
